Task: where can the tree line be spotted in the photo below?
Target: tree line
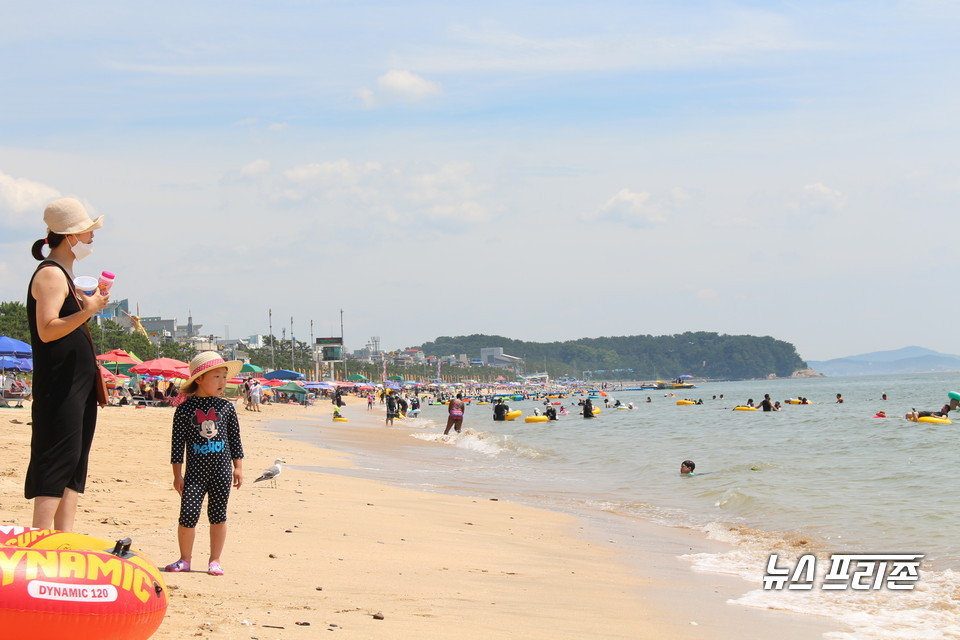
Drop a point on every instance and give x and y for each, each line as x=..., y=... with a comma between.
x=642, y=357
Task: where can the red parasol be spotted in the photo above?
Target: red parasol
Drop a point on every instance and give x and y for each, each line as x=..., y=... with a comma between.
x=119, y=356
x=166, y=367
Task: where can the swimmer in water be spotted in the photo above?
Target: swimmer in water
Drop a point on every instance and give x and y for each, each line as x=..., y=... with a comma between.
x=687, y=467
x=914, y=415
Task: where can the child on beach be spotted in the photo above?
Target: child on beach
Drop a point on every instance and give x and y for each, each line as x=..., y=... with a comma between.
x=206, y=426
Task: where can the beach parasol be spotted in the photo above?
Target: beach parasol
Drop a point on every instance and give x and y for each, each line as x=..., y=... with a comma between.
x=357, y=378
x=118, y=357
x=166, y=367
x=14, y=348
x=22, y=365
x=284, y=374
x=395, y=378
x=250, y=368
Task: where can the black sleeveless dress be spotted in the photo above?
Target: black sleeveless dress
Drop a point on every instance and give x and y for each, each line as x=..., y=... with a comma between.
x=64, y=402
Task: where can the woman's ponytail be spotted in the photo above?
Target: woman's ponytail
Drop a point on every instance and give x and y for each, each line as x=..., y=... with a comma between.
x=52, y=239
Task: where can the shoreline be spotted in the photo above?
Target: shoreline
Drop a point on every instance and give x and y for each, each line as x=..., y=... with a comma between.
x=668, y=581
x=333, y=549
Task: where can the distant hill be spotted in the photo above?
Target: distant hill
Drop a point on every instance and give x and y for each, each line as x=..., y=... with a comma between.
x=641, y=357
x=905, y=360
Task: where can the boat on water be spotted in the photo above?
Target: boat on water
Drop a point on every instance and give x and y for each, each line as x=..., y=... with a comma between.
x=678, y=383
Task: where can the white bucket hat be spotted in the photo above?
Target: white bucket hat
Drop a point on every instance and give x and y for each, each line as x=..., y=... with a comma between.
x=67, y=216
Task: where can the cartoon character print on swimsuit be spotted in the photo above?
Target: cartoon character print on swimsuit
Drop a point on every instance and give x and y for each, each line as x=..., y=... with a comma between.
x=208, y=423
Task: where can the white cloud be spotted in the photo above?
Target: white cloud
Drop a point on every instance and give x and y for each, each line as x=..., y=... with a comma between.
x=399, y=86
x=819, y=199
x=450, y=182
x=667, y=43
x=640, y=209
x=21, y=198
x=466, y=212
x=257, y=167
x=373, y=190
x=707, y=294
x=340, y=171
x=199, y=70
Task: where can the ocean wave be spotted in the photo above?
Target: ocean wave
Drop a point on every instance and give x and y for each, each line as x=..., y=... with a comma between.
x=734, y=499
x=487, y=444
x=928, y=612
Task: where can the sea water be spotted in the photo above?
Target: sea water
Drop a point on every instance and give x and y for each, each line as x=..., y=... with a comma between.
x=820, y=478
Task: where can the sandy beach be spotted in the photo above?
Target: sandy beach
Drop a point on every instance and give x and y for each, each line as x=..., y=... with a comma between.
x=325, y=551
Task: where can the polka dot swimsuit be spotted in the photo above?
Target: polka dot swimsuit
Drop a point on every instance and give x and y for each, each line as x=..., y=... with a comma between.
x=208, y=430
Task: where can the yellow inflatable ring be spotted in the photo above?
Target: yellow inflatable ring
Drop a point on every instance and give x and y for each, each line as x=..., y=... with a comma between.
x=55, y=584
x=683, y=402
x=932, y=420
x=341, y=419
x=516, y=413
x=536, y=419
x=744, y=408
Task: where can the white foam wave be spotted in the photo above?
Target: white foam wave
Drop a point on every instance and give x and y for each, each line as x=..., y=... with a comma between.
x=490, y=445
x=928, y=612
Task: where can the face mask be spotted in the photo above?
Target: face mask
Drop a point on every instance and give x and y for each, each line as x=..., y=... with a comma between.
x=81, y=249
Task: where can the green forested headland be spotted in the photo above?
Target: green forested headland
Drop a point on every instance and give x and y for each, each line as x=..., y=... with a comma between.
x=700, y=354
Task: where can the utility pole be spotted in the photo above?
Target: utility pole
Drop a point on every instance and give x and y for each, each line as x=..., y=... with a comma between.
x=273, y=347
x=343, y=352
x=313, y=350
x=293, y=348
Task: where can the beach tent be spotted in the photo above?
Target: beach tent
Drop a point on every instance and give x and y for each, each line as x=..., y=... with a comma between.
x=357, y=378
x=395, y=378
x=14, y=348
x=290, y=387
x=284, y=374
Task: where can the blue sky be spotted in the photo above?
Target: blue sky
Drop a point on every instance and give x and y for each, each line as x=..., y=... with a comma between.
x=540, y=170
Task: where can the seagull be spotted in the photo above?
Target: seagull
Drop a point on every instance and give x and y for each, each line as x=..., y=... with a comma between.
x=271, y=473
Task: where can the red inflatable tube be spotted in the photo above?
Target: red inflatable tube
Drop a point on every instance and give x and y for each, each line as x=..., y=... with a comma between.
x=57, y=585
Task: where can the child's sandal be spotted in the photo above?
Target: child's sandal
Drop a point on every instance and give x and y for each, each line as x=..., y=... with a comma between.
x=178, y=566
x=215, y=569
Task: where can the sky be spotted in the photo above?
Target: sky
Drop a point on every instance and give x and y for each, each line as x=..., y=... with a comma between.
x=539, y=170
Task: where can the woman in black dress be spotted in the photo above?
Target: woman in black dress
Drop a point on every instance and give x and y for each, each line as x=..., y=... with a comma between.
x=65, y=375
